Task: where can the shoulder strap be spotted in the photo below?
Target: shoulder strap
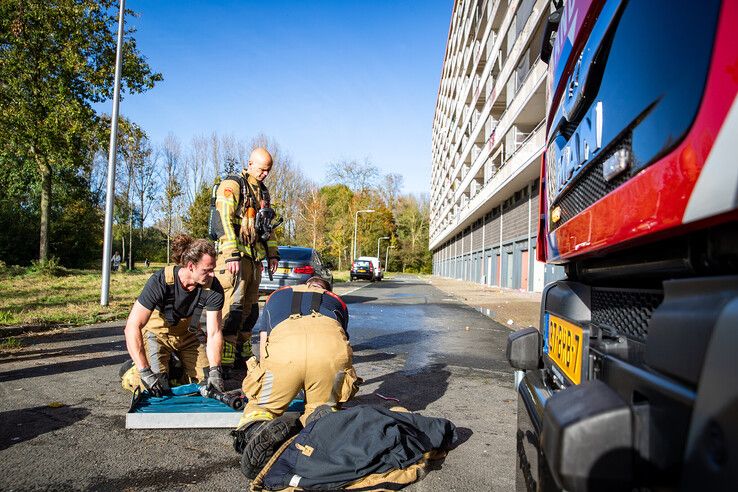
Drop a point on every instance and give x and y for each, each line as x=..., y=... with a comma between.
x=246, y=191
x=169, y=274
x=316, y=301
x=169, y=295
x=296, y=302
x=197, y=313
x=265, y=194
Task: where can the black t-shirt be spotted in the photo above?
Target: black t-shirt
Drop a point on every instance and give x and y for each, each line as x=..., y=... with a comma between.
x=153, y=294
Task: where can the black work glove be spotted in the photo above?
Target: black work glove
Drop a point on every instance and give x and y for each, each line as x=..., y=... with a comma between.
x=156, y=384
x=215, y=379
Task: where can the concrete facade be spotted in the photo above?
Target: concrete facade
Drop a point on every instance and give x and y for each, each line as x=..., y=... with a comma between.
x=488, y=138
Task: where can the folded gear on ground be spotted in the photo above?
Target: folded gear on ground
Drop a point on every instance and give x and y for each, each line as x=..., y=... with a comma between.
x=364, y=447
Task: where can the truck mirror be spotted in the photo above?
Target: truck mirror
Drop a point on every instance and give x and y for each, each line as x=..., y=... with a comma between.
x=552, y=24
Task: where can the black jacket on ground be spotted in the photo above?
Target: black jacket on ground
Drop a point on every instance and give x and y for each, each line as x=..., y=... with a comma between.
x=341, y=447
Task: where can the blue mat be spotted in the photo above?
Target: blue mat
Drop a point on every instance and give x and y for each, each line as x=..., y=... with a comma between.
x=187, y=399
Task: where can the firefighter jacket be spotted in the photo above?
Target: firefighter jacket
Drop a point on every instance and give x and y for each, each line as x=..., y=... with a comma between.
x=363, y=447
x=237, y=213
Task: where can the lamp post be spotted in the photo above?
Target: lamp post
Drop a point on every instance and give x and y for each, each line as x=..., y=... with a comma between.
x=356, y=223
x=378, y=240
x=108, y=233
x=386, y=258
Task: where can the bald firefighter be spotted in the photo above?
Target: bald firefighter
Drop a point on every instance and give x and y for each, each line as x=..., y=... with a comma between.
x=165, y=321
x=303, y=345
x=238, y=223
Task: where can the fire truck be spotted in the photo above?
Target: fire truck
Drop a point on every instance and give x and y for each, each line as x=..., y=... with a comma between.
x=631, y=380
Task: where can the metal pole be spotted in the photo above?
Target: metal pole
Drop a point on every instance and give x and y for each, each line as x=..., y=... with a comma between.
x=378, y=240
x=386, y=258
x=356, y=221
x=108, y=238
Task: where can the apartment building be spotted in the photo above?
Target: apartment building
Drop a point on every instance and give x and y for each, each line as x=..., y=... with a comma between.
x=488, y=138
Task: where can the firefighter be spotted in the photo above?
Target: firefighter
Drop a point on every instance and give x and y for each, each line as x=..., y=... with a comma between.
x=237, y=201
x=303, y=345
x=165, y=319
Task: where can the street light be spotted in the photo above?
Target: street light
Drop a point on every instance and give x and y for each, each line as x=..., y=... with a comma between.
x=386, y=258
x=356, y=222
x=108, y=233
x=378, y=240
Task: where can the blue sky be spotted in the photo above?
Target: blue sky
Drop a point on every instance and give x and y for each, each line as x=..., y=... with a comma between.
x=328, y=80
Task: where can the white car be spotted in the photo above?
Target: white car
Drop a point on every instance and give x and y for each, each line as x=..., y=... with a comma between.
x=378, y=272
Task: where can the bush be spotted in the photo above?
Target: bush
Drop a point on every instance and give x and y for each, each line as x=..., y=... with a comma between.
x=11, y=270
x=50, y=267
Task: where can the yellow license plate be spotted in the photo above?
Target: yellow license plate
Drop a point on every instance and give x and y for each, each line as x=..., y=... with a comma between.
x=284, y=270
x=564, y=343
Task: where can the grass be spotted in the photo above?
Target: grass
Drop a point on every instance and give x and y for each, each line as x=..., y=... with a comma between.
x=34, y=298
x=10, y=344
x=340, y=275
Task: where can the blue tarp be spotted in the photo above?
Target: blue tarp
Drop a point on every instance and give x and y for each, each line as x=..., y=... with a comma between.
x=187, y=399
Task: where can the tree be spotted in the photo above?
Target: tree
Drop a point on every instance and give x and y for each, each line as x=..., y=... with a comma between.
x=312, y=219
x=145, y=181
x=195, y=169
x=413, y=214
x=360, y=177
x=172, y=190
x=390, y=188
x=339, y=222
x=56, y=60
x=198, y=213
x=135, y=150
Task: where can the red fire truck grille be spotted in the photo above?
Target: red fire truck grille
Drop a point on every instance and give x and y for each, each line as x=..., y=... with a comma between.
x=625, y=311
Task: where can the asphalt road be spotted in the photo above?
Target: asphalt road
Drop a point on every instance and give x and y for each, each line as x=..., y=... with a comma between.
x=411, y=343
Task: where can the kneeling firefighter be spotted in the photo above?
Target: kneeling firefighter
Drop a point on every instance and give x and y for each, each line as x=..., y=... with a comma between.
x=165, y=320
x=303, y=345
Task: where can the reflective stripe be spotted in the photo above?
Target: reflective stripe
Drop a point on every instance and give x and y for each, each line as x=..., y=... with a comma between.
x=229, y=353
x=258, y=415
x=266, y=388
x=337, y=387
x=227, y=210
x=153, y=346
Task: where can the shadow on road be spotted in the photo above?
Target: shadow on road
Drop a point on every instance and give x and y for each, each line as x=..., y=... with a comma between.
x=28, y=423
x=80, y=334
x=390, y=340
x=349, y=299
x=161, y=478
x=29, y=355
x=414, y=391
x=62, y=367
x=379, y=356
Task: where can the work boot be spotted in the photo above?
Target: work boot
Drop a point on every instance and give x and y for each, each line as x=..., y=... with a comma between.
x=320, y=412
x=260, y=440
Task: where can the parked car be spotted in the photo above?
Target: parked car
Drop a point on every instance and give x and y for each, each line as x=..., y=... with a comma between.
x=366, y=267
x=296, y=265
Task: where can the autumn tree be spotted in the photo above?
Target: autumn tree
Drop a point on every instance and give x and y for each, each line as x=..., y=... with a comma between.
x=57, y=59
x=413, y=213
x=312, y=219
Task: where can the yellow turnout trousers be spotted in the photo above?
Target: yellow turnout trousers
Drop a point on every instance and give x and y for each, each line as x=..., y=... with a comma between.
x=160, y=341
x=240, y=292
x=303, y=352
